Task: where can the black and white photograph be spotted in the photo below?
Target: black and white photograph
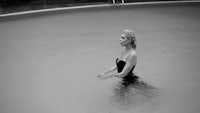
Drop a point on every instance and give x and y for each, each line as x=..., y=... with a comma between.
x=99, y=56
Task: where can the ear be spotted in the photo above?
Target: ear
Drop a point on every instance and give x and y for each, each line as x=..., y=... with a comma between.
x=129, y=40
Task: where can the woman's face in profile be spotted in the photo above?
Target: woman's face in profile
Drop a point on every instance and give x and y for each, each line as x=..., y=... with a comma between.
x=123, y=40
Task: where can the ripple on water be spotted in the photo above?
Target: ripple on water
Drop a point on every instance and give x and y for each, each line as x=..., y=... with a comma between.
x=136, y=97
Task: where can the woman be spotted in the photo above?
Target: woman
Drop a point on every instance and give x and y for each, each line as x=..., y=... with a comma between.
x=125, y=64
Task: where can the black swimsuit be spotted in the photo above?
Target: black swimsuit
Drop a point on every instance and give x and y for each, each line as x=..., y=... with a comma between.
x=130, y=78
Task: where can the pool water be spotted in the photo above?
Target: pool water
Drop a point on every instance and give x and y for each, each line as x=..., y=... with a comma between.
x=50, y=62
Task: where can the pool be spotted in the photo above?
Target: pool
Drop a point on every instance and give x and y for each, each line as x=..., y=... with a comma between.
x=50, y=61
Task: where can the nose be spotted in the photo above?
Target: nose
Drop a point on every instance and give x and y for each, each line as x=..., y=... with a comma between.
x=121, y=39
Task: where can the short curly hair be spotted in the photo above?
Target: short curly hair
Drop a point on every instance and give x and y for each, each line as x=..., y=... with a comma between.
x=130, y=36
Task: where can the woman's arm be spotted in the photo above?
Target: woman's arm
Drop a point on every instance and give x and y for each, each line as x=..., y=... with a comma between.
x=112, y=69
x=103, y=75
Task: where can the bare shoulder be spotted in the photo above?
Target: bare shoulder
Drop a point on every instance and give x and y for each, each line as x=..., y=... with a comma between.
x=132, y=54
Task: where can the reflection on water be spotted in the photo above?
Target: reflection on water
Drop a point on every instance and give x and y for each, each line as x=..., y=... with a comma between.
x=138, y=96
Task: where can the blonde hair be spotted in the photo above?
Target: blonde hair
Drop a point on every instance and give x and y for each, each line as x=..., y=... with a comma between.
x=130, y=36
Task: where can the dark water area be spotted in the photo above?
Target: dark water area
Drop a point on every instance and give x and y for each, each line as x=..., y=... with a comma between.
x=136, y=97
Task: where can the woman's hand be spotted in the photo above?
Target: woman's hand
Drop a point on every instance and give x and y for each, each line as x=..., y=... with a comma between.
x=102, y=76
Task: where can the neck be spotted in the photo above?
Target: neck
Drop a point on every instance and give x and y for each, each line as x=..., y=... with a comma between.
x=128, y=47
